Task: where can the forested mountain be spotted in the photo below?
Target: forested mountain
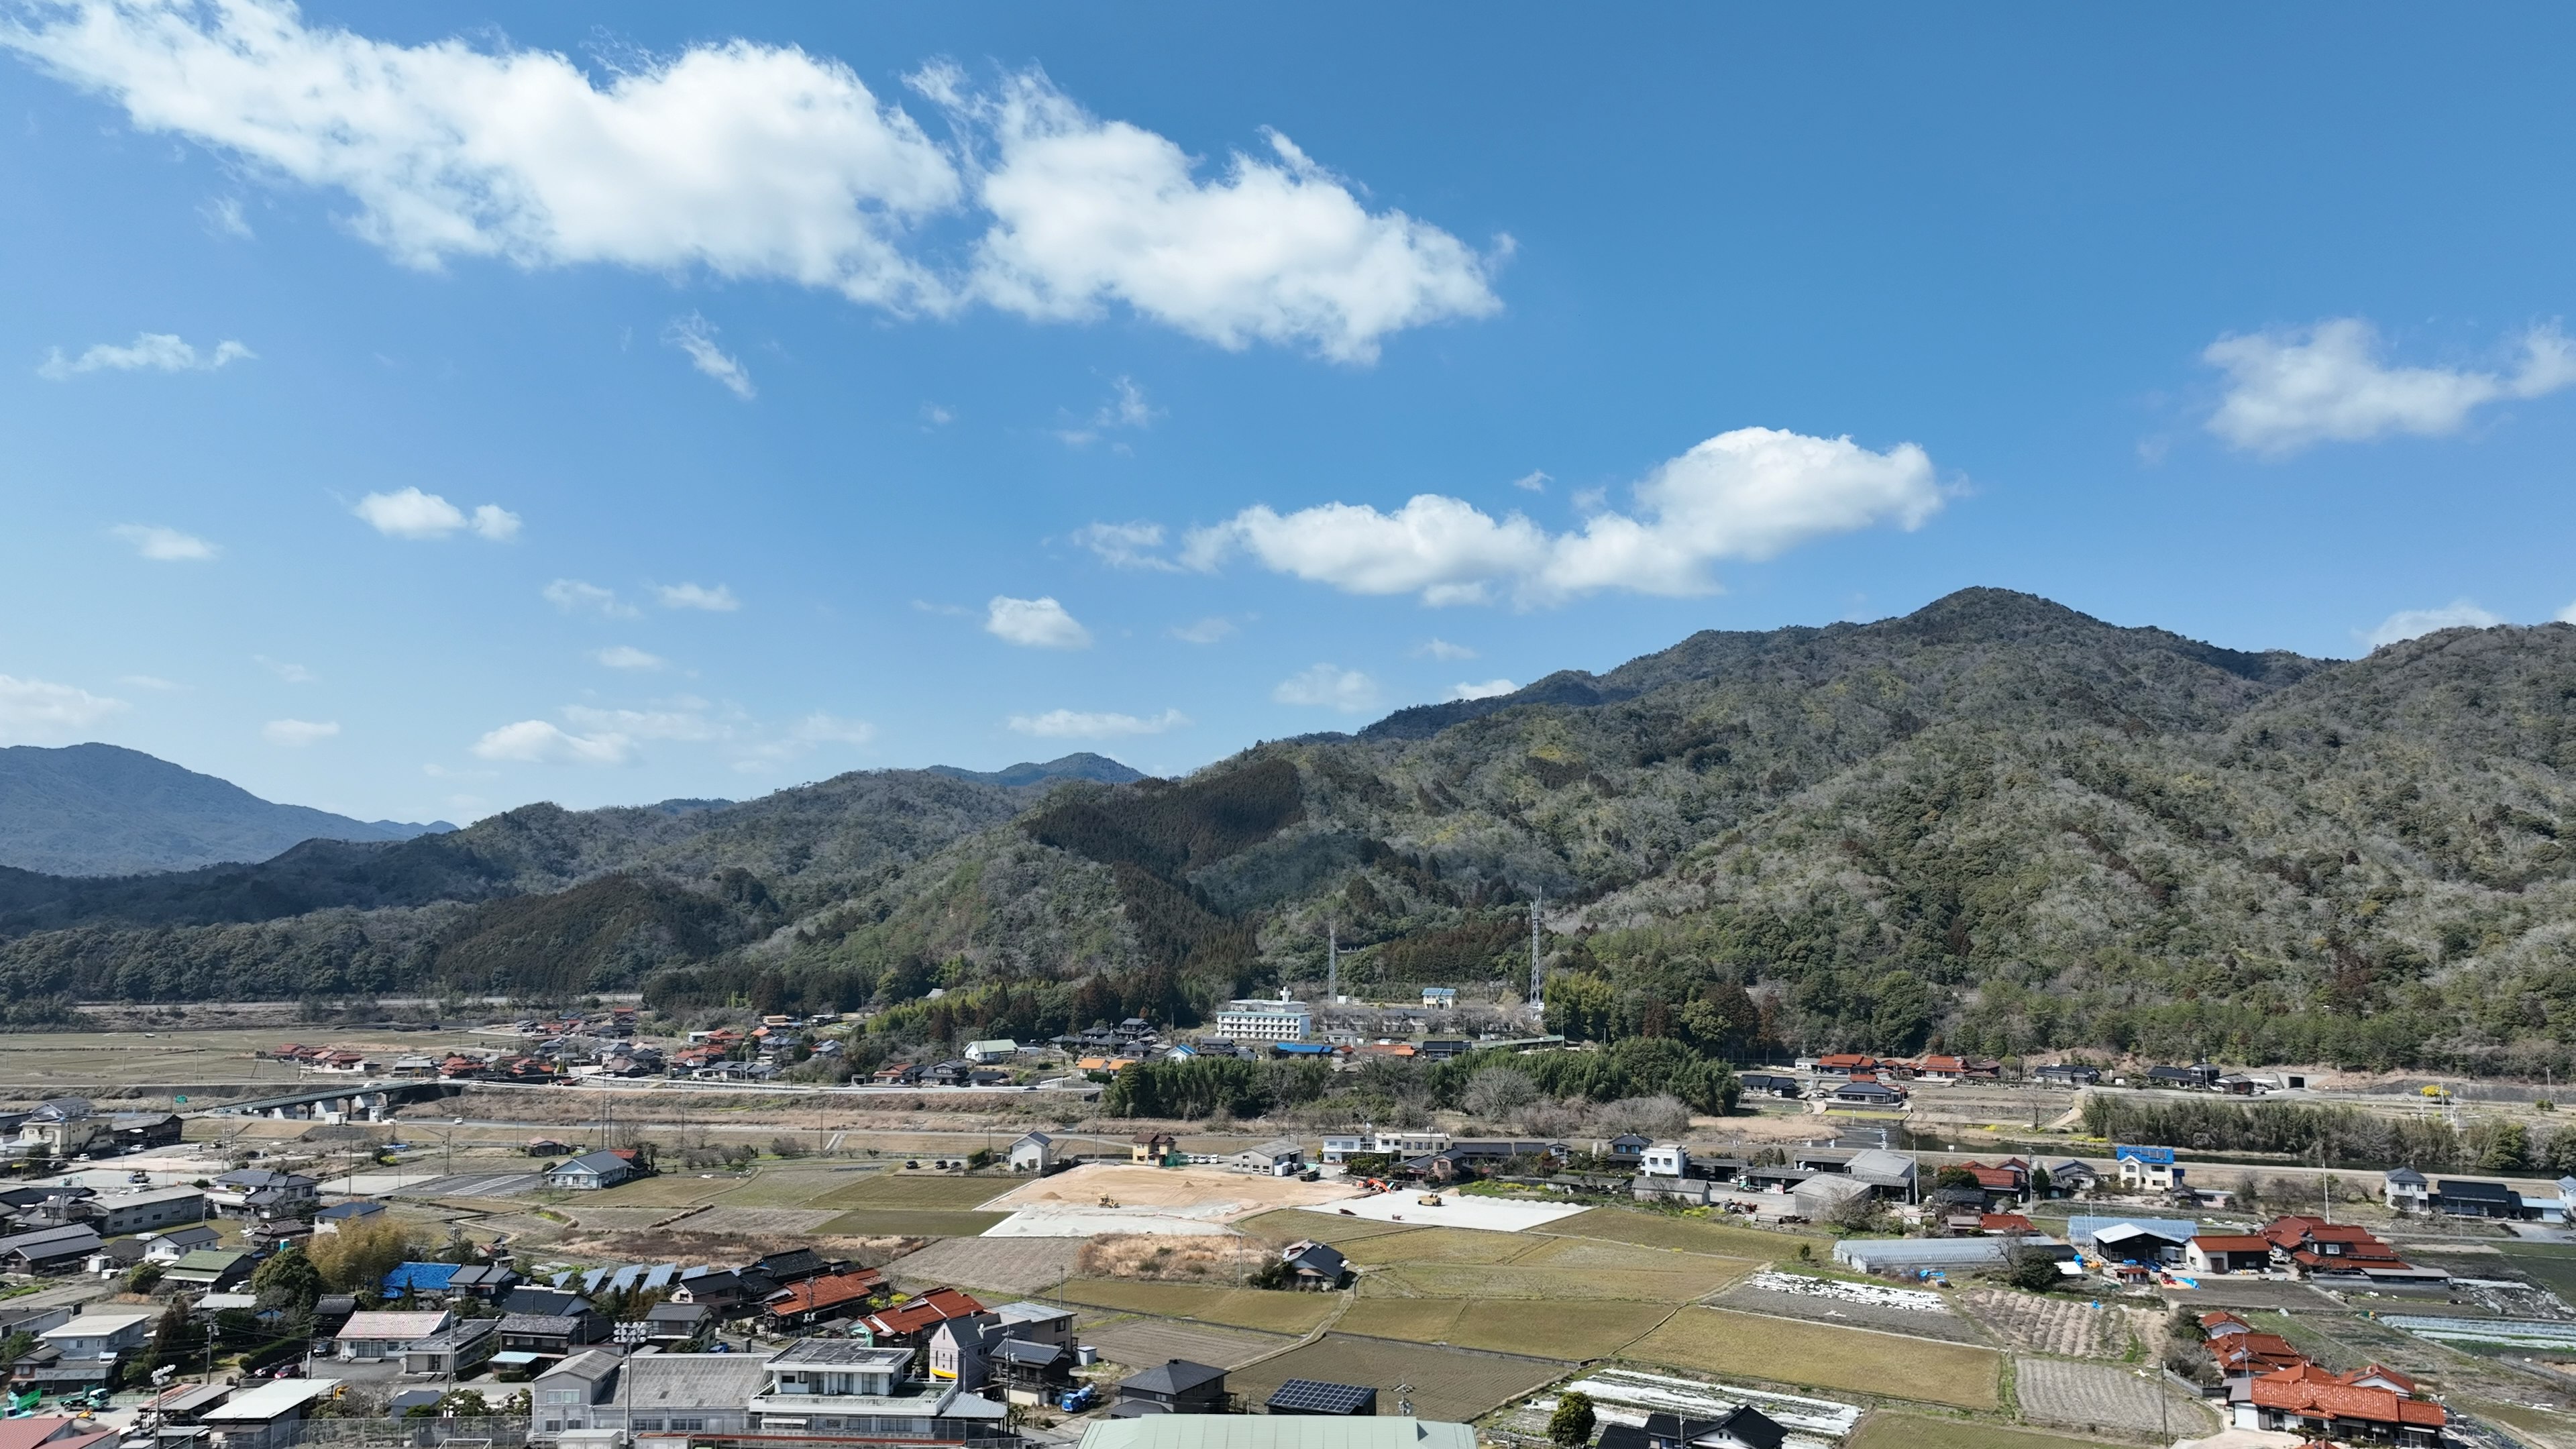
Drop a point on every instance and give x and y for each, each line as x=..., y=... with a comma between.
x=1995, y=825
x=102, y=810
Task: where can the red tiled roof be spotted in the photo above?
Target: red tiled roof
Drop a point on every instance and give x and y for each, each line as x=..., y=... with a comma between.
x=830, y=1292
x=2343, y=1401
x=926, y=1311
x=1943, y=1064
x=1999, y=1177
x=2243, y=1350
x=2232, y=1243
x=2209, y=1322
x=1847, y=1059
x=2404, y=1384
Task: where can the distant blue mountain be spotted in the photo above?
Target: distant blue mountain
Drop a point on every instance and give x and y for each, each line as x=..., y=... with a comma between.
x=103, y=810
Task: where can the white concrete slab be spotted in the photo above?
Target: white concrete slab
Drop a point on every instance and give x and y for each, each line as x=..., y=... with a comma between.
x=1456, y=1210
x=1085, y=1222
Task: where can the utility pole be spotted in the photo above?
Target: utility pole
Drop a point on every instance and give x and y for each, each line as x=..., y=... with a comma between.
x=1536, y=1004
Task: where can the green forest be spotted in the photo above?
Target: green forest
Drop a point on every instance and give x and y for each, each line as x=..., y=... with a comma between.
x=1993, y=826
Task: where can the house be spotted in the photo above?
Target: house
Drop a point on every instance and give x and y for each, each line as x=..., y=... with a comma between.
x=2228, y=1253
x=1770, y=1084
x=1664, y=1159
x=1627, y=1150
x=210, y=1269
x=2004, y=1182
x=1270, y=1021
x=669, y=1323
x=482, y=1281
x=2149, y=1241
x=2406, y=1191
x=1036, y=1322
x=2148, y=1169
x=589, y=1172
x=823, y=1299
x=2071, y=1179
x=417, y=1280
x=908, y=1325
x=2065, y=1074
x=1278, y=1157
x=1867, y=1092
x=559, y=1398
x=458, y=1349
x=955, y=1352
x=139, y=1212
x=368, y=1337
x=1313, y=1396
x=547, y=1335
x=1844, y=1064
x=2294, y=1401
x=794, y=1265
x=1821, y=1195
x=256, y=1192
x=1440, y=998
x=1940, y=1068
x=1314, y=1265
x=49, y=1250
x=1029, y=1372
x=830, y=1385
x=2314, y=1248
x=1339, y=1146
x=1743, y=1427
x=100, y=1335
x=114, y=1256
x=2198, y=1077
x=1033, y=1153
x=169, y=1247
x=2467, y=1197
x=1177, y=1386
x=332, y=1219
x=1000, y=1049
x=265, y=1417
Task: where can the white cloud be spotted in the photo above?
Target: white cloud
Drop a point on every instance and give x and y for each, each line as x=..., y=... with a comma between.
x=1125, y=545
x=575, y=597
x=149, y=681
x=150, y=352
x=35, y=712
x=291, y=673
x=1487, y=690
x=1088, y=212
x=1443, y=649
x=1532, y=482
x=681, y=719
x=295, y=734
x=766, y=162
x=1325, y=686
x=2292, y=388
x=165, y=544
x=1127, y=409
x=803, y=738
x=696, y=336
x=223, y=217
x=410, y=513
x=1034, y=623
x=1747, y=494
x=718, y=600
x=936, y=416
x=535, y=741
x=1069, y=724
x=627, y=656
x=1210, y=630
x=2411, y=623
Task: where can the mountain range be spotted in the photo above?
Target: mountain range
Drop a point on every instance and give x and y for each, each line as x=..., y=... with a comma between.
x=101, y=810
x=1993, y=825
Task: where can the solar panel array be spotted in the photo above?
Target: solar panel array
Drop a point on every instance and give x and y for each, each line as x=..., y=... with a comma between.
x=1312, y=1396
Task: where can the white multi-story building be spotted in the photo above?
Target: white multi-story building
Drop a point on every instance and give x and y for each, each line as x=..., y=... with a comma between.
x=1265, y=1021
x=1665, y=1159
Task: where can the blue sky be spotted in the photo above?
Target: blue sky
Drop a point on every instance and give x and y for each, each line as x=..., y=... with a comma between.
x=417, y=411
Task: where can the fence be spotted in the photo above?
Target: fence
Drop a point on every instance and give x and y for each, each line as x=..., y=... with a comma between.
x=496, y=1432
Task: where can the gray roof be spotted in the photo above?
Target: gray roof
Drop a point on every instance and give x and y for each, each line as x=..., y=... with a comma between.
x=1027, y=1351
x=2083, y=1230
x=539, y=1323
x=686, y=1380
x=1928, y=1252
x=1872, y=1163
x=842, y=1352
x=591, y=1364
x=1178, y=1376
x=602, y=1162
x=2406, y=1174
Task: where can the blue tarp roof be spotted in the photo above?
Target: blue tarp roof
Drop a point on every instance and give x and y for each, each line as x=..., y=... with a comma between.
x=1301, y=1048
x=2162, y=1156
x=418, y=1278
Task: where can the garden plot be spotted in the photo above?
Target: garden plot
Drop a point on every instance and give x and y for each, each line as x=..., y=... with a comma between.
x=2065, y=1326
x=1856, y=1305
x=2099, y=1396
x=1013, y=1265
x=1777, y=1350
x=1629, y=1396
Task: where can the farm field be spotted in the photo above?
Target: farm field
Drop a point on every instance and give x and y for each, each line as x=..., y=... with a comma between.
x=1939, y=1323
x=1573, y=1332
x=1287, y=1225
x=2547, y=1264
x=1269, y=1311
x=671, y=1190
x=1690, y=1235
x=1780, y=1351
x=931, y=1191
x=1025, y=1266
x=907, y=1223
x=1446, y=1383
x=2057, y=1325
x=728, y=1218
x=1684, y=1280
x=1224, y=1194
x=1886, y=1430
x=2101, y=1397
x=1438, y=1245
x=1141, y=1343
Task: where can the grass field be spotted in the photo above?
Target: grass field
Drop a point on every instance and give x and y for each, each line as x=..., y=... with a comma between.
x=1690, y=1235
x=905, y=1223
x=1287, y=1225
x=1271, y=1312
x=1412, y=1320
x=1685, y=1279
x=1819, y=1356
x=1444, y=1383
x=674, y=1191
x=788, y=1187
x=1574, y=1332
x=1884, y=1430
x=2548, y=1265
x=1438, y=1245
x=907, y=1190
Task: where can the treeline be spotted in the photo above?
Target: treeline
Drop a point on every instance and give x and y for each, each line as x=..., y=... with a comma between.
x=2345, y=1136
x=1204, y=1086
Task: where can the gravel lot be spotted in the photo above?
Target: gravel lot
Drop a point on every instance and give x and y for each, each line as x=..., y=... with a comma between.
x=2101, y=1396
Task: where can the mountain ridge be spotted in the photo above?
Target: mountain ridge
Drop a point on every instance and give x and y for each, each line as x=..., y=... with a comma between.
x=104, y=810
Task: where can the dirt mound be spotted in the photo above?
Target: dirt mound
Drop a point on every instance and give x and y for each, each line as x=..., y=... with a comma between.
x=1164, y=1258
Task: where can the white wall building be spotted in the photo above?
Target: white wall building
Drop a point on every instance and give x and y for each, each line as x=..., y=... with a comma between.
x=1664, y=1159
x=1265, y=1021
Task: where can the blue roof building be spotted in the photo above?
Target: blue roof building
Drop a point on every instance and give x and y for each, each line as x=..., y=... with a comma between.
x=410, y=1279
